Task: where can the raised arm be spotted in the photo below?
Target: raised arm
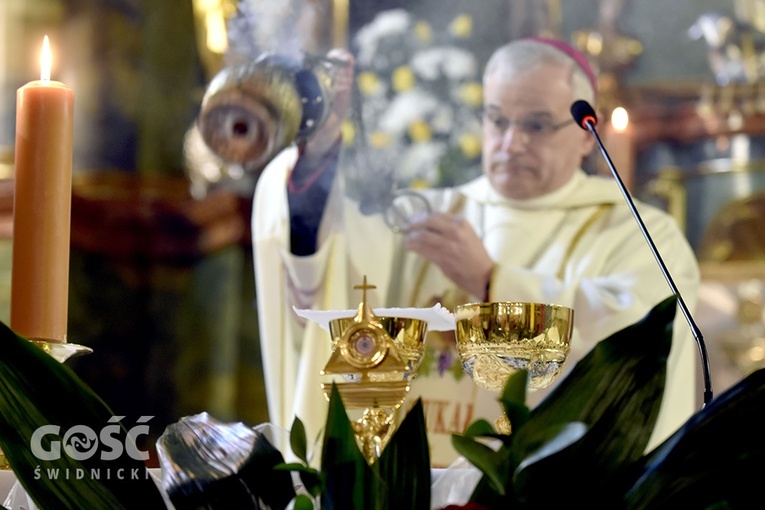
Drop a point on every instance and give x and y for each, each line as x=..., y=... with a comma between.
x=312, y=177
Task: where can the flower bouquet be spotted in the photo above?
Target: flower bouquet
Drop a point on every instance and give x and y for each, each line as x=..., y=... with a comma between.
x=420, y=97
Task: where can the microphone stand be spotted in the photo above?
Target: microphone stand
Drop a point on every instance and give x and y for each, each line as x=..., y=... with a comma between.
x=589, y=123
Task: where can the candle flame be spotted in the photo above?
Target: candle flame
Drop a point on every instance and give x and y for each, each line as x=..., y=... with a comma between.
x=45, y=60
x=620, y=119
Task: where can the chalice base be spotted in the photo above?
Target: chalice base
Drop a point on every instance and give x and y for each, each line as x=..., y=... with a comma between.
x=373, y=430
x=376, y=425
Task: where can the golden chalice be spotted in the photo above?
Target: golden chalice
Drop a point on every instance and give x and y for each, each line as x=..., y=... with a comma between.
x=495, y=340
x=376, y=359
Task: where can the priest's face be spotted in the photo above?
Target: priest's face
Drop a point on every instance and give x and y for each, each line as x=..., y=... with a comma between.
x=531, y=145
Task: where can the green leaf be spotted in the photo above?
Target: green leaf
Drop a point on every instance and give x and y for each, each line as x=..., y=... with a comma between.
x=716, y=458
x=513, y=400
x=516, y=387
x=567, y=435
x=303, y=502
x=404, y=465
x=539, y=442
x=488, y=461
x=480, y=427
x=616, y=390
x=310, y=477
x=552, y=460
x=298, y=440
x=311, y=481
x=293, y=466
x=349, y=481
x=36, y=390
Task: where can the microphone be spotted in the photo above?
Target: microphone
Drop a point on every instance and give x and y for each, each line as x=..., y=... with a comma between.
x=585, y=116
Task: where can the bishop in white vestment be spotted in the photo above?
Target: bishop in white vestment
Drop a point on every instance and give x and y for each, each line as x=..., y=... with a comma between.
x=571, y=241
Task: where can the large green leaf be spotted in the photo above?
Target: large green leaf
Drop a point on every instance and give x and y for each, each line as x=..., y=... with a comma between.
x=616, y=390
x=717, y=457
x=349, y=482
x=492, y=463
x=550, y=466
x=404, y=465
x=513, y=399
x=480, y=427
x=486, y=492
x=493, y=489
x=36, y=390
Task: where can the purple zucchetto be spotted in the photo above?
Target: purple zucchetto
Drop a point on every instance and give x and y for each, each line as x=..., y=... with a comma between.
x=576, y=55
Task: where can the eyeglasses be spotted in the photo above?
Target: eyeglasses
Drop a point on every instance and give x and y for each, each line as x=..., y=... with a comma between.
x=534, y=127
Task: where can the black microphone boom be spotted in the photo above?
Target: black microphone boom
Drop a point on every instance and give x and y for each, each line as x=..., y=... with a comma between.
x=584, y=115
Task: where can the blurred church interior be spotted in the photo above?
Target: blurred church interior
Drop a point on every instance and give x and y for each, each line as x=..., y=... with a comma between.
x=161, y=283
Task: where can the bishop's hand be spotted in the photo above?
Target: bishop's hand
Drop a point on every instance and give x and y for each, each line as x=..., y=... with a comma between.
x=452, y=244
x=322, y=141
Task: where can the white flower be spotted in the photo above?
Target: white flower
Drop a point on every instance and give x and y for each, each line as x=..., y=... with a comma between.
x=415, y=113
x=459, y=64
x=443, y=120
x=449, y=62
x=394, y=22
x=405, y=108
x=420, y=161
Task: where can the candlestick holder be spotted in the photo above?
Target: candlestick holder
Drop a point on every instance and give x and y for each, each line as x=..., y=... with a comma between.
x=62, y=351
x=376, y=359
